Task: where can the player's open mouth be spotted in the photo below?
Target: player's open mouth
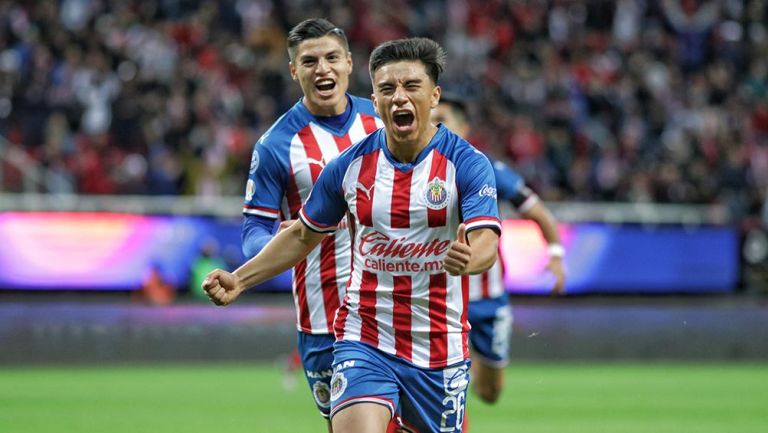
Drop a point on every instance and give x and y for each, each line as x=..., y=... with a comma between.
x=403, y=119
x=325, y=85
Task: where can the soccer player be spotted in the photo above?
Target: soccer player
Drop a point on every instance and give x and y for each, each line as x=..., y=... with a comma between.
x=421, y=205
x=489, y=312
x=286, y=162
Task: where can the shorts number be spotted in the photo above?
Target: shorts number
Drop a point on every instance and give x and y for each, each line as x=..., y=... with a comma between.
x=456, y=407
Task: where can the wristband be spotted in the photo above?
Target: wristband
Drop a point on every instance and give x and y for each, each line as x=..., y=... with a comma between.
x=556, y=250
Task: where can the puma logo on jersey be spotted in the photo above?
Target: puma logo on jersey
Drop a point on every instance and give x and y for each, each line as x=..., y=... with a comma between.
x=320, y=162
x=367, y=191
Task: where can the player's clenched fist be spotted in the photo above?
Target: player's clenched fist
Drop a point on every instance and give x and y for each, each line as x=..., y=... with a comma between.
x=457, y=258
x=222, y=287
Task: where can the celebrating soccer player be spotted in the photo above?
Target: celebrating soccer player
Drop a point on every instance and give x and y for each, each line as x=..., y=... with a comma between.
x=421, y=204
x=489, y=310
x=286, y=162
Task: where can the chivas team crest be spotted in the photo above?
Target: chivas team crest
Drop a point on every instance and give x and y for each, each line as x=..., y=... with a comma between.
x=437, y=194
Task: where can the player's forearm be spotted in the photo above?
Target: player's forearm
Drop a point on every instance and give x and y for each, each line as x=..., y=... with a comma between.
x=280, y=254
x=546, y=222
x=485, y=245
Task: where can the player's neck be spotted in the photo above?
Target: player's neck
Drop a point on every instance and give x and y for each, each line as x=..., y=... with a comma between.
x=327, y=110
x=405, y=150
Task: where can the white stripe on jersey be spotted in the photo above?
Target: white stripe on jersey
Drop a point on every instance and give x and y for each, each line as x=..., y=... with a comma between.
x=300, y=168
x=384, y=313
x=314, y=291
x=326, y=142
x=352, y=329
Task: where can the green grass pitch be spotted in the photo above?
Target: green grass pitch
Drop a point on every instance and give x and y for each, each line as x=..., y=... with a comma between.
x=549, y=398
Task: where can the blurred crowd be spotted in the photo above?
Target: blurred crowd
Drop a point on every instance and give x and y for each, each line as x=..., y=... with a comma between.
x=627, y=100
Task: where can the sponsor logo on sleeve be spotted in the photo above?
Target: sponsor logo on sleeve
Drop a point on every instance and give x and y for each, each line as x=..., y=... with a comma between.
x=250, y=189
x=487, y=191
x=254, y=161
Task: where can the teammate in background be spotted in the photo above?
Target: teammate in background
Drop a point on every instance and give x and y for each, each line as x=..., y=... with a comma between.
x=422, y=209
x=286, y=162
x=489, y=310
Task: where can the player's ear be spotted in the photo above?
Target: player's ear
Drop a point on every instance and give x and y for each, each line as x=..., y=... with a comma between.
x=292, y=70
x=375, y=107
x=435, y=96
x=349, y=60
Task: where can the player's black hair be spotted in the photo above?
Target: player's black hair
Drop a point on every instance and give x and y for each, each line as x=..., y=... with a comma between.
x=457, y=103
x=425, y=50
x=311, y=29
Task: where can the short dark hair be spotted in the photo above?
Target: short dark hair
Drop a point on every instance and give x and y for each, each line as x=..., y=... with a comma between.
x=457, y=104
x=425, y=50
x=313, y=28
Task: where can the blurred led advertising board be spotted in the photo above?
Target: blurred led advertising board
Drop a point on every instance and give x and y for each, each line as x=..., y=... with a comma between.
x=109, y=251
x=603, y=258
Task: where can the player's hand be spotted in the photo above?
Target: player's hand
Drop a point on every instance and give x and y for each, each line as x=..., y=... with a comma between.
x=284, y=225
x=457, y=258
x=222, y=287
x=556, y=267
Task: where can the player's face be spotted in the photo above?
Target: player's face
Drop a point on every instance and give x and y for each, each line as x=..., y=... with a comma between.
x=445, y=114
x=404, y=95
x=322, y=67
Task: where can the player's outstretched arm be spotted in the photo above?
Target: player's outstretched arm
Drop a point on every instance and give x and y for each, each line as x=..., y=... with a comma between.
x=279, y=255
x=471, y=254
x=547, y=223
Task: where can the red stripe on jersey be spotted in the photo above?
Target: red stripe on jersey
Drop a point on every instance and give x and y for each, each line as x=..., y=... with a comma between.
x=401, y=200
x=343, y=142
x=401, y=320
x=365, y=181
x=369, y=123
x=312, y=149
x=328, y=279
x=484, y=284
x=299, y=281
x=292, y=194
x=341, y=316
x=369, y=330
x=438, y=324
x=464, y=314
x=437, y=217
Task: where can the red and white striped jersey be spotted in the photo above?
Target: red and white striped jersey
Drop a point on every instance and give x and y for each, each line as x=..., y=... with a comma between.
x=286, y=162
x=404, y=218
